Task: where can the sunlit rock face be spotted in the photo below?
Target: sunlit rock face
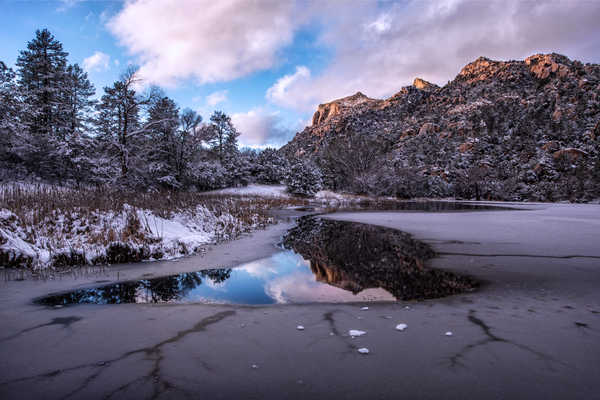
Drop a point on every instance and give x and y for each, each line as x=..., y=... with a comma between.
x=422, y=84
x=357, y=257
x=329, y=110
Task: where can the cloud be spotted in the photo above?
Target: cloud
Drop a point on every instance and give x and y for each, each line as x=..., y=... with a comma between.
x=381, y=48
x=208, y=41
x=67, y=4
x=216, y=97
x=98, y=61
x=261, y=128
x=278, y=92
x=375, y=47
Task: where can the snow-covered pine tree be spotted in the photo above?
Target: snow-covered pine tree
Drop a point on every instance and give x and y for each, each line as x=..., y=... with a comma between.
x=162, y=125
x=13, y=136
x=304, y=179
x=42, y=75
x=119, y=130
x=271, y=167
x=188, y=144
x=78, y=99
x=222, y=135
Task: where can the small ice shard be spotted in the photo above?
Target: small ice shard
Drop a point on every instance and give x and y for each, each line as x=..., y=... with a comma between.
x=401, y=327
x=254, y=366
x=407, y=307
x=364, y=308
x=448, y=333
x=300, y=327
x=355, y=332
x=331, y=334
x=363, y=350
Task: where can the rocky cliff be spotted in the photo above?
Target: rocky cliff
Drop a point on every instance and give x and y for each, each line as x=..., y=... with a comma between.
x=500, y=130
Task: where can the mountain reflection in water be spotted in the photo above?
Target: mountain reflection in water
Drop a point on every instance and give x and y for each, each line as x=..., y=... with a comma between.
x=326, y=261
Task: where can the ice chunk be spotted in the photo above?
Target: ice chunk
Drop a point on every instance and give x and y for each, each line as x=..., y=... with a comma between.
x=300, y=327
x=364, y=308
x=401, y=327
x=448, y=333
x=356, y=332
x=363, y=350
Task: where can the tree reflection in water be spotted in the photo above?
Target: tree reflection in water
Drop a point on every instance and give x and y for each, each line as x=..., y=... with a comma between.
x=157, y=290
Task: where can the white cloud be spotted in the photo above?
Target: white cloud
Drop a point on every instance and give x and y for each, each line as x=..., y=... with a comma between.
x=67, y=4
x=98, y=61
x=433, y=40
x=278, y=92
x=216, y=98
x=382, y=24
x=208, y=41
x=261, y=128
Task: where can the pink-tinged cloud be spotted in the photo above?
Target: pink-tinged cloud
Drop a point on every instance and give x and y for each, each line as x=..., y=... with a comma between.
x=209, y=41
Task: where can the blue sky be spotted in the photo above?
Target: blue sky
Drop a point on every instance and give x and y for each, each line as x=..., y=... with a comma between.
x=269, y=63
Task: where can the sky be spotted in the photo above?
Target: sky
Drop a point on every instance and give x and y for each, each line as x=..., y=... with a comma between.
x=269, y=63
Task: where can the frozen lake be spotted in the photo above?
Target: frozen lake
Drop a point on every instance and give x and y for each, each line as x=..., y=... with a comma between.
x=530, y=331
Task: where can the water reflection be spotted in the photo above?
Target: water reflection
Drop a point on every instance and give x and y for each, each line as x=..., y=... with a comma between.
x=325, y=261
x=356, y=257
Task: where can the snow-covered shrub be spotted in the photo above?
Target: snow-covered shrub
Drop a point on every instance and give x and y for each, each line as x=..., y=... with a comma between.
x=209, y=175
x=304, y=179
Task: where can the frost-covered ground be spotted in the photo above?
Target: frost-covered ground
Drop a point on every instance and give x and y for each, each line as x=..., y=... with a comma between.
x=279, y=191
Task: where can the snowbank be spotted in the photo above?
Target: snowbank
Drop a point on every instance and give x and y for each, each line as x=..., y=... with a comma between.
x=130, y=235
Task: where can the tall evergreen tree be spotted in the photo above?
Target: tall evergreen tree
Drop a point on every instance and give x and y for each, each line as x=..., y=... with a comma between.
x=12, y=134
x=223, y=139
x=162, y=124
x=78, y=92
x=188, y=142
x=118, y=121
x=42, y=75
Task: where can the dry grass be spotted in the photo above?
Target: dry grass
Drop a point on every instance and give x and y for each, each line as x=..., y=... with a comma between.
x=36, y=203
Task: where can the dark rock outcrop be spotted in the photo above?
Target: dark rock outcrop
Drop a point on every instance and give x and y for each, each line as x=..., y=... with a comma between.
x=428, y=140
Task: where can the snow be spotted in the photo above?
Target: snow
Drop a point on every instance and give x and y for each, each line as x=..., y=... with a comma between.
x=253, y=190
x=363, y=350
x=90, y=233
x=401, y=327
x=356, y=332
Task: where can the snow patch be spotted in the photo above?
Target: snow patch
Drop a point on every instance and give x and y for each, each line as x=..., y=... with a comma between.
x=356, y=332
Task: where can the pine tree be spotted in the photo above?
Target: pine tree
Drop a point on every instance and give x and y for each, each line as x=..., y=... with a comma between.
x=304, y=179
x=223, y=135
x=78, y=92
x=188, y=143
x=42, y=75
x=12, y=134
x=271, y=167
x=118, y=122
x=163, y=122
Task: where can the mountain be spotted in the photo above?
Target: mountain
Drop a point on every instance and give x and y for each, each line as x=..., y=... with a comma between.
x=505, y=130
